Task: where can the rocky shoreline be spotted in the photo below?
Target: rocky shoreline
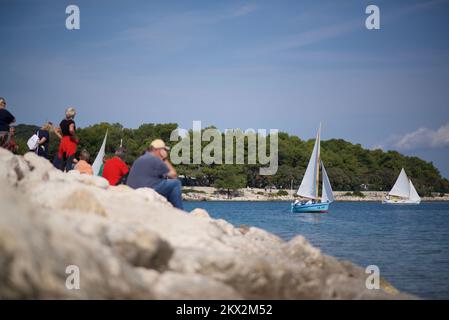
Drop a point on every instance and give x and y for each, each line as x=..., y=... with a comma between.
x=131, y=244
x=254, y=194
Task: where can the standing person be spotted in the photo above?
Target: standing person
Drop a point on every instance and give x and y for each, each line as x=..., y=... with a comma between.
x=154, y=170
x=12, y=145
x=115, y=169
x=6, y=119
x=67, y=147
x=44, y=140
x=83, y=165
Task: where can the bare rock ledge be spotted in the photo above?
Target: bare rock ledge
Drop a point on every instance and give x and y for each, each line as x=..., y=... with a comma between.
x=132, y=244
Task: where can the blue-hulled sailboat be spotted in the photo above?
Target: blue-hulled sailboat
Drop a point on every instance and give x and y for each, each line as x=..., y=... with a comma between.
x=309, y=185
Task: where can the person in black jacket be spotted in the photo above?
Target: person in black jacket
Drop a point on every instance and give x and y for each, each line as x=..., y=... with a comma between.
x=6, y=119
x=44, y=140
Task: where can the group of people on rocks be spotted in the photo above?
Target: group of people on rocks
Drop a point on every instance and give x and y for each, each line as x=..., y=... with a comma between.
x=151, y=170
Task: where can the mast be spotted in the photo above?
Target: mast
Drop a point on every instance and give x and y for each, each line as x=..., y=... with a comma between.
x=309, y=185
x=318, y=160
x=291, y=186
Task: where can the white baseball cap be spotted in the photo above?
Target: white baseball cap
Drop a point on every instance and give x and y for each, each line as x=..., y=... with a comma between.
x=159, y=144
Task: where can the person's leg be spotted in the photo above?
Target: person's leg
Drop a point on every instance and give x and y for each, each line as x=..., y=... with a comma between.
x=69, y=163
x=4, y=139
x=63, y=162
x=61, y=156
x=172, y=190
x=71, y=151
x=176, y=194
x=57, y=162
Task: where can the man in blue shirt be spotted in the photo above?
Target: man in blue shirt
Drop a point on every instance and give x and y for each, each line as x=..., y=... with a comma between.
x=153, y=170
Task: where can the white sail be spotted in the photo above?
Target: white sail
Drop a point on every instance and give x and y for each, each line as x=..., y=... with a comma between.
x=414, y=196
x=309, y=187
x=402, y=186
x=326, y=194
x=99, y=159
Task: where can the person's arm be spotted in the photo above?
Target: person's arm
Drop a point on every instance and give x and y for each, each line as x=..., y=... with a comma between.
x=124, y=169
x=73, y=132
x=72, y=129
x=58, y=132
x=171, y=170
x=42, y=141
x=123, y=179
x=171, y=174
x=11, y=119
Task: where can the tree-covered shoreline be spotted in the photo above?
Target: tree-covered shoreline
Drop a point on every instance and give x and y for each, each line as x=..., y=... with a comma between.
x=350, y=167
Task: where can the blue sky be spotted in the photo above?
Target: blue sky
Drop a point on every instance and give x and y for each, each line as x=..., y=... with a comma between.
x=285, y=65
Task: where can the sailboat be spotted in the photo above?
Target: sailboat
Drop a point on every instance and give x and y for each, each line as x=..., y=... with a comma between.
x=310, y=182
x=96, y=166
x=403, y=191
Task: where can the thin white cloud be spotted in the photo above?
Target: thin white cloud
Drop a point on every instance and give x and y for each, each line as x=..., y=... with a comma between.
x=338, y=29
x=244, y=10
x=317, y=35
x=423, y=138
x=179, y=27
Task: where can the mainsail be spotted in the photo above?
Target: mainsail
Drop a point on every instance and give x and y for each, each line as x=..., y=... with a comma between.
x=402, y=186
x=99, y=159
x=309, y=184
x=326, y=194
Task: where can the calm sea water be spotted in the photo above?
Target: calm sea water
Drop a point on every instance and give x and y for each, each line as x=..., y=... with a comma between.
x=410, y=244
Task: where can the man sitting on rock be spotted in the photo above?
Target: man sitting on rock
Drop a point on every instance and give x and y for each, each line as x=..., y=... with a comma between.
x=153, y=170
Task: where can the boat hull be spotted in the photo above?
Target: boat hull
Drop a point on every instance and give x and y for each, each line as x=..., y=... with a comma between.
x=320, y=207
x=401, y=202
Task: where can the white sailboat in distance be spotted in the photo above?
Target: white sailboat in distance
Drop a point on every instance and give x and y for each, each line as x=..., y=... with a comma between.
x=403, y=191
x=96, y=166
x=310, y=182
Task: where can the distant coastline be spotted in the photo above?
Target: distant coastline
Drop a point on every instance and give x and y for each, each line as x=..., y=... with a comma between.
x=255, y=194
